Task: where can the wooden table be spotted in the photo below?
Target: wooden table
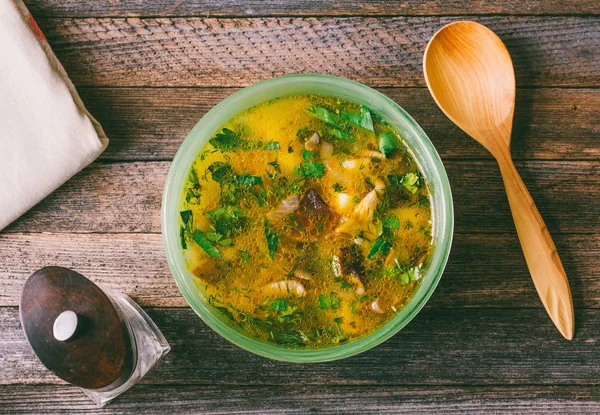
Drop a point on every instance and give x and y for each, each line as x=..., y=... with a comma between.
x=148, y=70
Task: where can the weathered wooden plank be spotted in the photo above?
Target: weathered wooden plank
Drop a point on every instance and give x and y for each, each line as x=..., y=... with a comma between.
x=483, y=270
x=150, y=123
x=323, y=399
x=558, y=51
x=125, y=197
x=440, y=347
x=202, y=8
x=131, y=263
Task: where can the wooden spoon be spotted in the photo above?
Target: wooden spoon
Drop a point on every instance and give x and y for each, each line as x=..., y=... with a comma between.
x=470, y=74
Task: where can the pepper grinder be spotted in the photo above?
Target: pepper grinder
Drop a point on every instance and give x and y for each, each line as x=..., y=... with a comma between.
x=101, y=341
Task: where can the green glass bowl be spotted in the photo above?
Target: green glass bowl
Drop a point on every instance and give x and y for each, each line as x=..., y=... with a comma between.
x=423, y=150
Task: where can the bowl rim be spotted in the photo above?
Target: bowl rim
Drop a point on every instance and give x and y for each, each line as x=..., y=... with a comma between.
x=414, y=137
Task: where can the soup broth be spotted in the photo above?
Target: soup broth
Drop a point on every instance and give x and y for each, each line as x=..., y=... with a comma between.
x=306, y=221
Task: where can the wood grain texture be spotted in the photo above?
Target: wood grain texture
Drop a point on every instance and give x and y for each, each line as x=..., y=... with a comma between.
x=203, y=8
x=483, y=271
x=474, y=347
x=323, y=399
x=549, y=51
x=126, y=197
x=150, y=123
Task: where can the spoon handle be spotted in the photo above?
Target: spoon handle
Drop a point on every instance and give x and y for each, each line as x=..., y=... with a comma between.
x=542, y=259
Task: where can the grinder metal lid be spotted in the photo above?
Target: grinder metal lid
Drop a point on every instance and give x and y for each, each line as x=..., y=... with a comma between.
x=74, y=329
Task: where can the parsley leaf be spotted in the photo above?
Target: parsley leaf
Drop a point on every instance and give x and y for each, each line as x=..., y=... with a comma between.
x=272, y=145
x=226, y=140
x=220, y=171
x=388, y=143
x=185, y=215
x=341, y=128
x=310, y=169
x=362, y=118
x=182, y=238
x=272, y=239
x=404, y=273
x=205, y=244
x=307, y=155
x=244, y=255
x=327, y=302
x=248, y=179
x=381, y=245
x=227, y=220
x=279, y=305
x=338, y=188
x=410, y=181
x=391, y=222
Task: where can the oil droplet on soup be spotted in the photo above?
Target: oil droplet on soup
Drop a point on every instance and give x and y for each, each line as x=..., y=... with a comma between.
x=306, y=221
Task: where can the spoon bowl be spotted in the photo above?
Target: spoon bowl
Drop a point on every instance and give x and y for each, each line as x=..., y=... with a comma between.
x=470, y=75
x=477, y=93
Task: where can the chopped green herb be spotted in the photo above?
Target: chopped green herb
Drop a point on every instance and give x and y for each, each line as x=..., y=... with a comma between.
x=205, y=244
x=388, y=143
x=341, y=128
x=272, y=145
x=343, y=135
x=193, y=177
x=225, y=311
x=190, y=194
x=338, y=188
x=226, y=140
x=422, y=201
x=279, y=305
x=227, y=220
x=319, y=227
x=391, y=222
x=310, y=169
x=362, y=118
x=410, y=181
x=404, y=273
x=338, y=320
x=327, y=302
x=355, y=199
x=327, y=116
x=343, y=283
x=290, y=339
x=182, y=237
x=304, y=133
x=220, y=171
x=244, y=255
x=185, y=215
x=248, y=179
x=381, y=245
x=275, y=166
x=261, y=196
x=307, y=155
x=272, y=239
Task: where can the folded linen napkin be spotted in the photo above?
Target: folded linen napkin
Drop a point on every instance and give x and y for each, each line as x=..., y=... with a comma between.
x=46, y=134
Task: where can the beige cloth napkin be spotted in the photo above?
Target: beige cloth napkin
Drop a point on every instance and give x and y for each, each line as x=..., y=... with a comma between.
x=46, y=134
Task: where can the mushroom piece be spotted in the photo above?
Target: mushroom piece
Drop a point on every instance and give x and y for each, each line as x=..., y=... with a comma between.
x=287, y=206
x=313, y=142
x=303, y=275
x=363, y=212
x=380, y=306
x=284, y=288
x=349, y=264
x=314, y=215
